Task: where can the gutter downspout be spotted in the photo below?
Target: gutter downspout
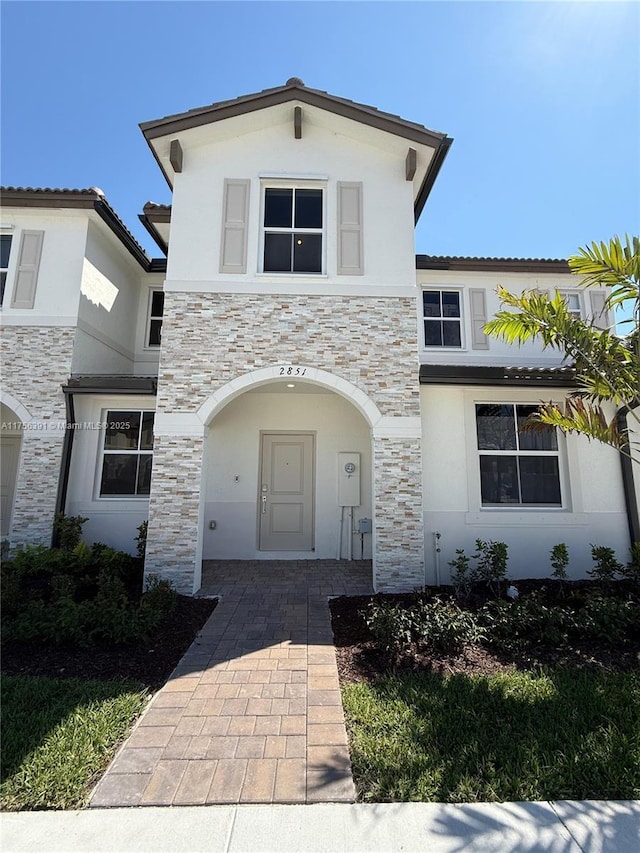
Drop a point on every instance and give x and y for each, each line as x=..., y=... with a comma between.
x=65, y=462
x=628, y=485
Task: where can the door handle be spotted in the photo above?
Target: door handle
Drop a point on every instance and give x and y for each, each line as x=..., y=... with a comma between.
x=264, y=504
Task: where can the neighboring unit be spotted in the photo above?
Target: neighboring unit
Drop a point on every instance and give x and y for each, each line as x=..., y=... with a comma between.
x=292, y=382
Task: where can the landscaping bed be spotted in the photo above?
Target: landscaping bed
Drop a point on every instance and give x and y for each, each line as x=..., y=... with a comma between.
x=536, y=705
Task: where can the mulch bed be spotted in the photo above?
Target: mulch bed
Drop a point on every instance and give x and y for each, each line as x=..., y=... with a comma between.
x=359, y=659
x=150, y=663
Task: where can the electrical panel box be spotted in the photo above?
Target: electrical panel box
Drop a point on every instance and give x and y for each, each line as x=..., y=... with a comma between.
x=364, y=525
x=348, y=479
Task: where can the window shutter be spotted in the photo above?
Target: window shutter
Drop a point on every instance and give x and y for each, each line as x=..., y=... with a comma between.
x=598, y=310
x=233, y=251
x=477, y=299
x=350, y=255
x=24, y=289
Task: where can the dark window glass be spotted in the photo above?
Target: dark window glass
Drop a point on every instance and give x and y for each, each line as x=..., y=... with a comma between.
x=5, y=249
x=431, y=303
x=277, y=252
x=146, y=436
x=451, y=334
x=119, y=474
x=155, y=333
x=157, y=303
x=3, y=281
x=308, y=209
x=495, y=427
x=540, y=480
x=543, y=437
x=499, y=480
x=144, y=474
x=307, y=253
x=278, y=207
x=432, y=333
x=122, y=432
x=450, y=304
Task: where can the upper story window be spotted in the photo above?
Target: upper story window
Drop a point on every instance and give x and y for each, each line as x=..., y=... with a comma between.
x=156, y=310
x=572, y=301
x=293, y=230
x=5, y=251
x=442, y=318
x=517, y=467
x=127, y=454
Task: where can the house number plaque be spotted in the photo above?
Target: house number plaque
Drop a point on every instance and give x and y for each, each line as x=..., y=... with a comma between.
x=292, y=370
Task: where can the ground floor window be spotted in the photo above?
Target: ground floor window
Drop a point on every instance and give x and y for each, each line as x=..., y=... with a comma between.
x=517, y=466
x=127, y=453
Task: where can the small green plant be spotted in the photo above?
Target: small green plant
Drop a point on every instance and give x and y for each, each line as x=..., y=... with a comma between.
x=559, y=561
x=492, y=560
x=632, y=570
x=514, y=625
x=67, y=530
x=141, y=539
x=609, y=619
x=390, y=624
x=461, y=576
x=444, y=627
x=606, y=566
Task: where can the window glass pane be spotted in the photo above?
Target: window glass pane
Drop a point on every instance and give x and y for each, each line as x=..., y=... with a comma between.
x=543, y=437
x=451, y=334
x=450, y=304
x=5, y=248
x=155, y=329
x=431, y=303
x=3, y=281
x=119, y=474
x=432, y=333
x=307, y=253
x=146, y=437
x=157, y=303
x=308, y=209
x=278, y=207
x=122, y=431
x=277, y=252
x=499, y=480
x=540, y=480
x=496, y=428
x=144, y=474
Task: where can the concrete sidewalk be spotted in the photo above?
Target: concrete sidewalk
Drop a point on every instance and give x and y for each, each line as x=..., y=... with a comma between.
x=558, y=827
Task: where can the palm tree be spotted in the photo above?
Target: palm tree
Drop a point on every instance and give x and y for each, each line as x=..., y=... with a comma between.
x=607, y=365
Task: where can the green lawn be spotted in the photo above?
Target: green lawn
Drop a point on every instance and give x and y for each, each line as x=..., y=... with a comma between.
x=58, y=735
x=563, y=734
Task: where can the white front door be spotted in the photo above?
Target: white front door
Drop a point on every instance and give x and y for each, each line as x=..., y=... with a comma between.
x=286, y=492
x=9, y=456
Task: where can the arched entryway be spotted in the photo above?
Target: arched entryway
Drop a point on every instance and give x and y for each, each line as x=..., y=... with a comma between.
x=13, y=417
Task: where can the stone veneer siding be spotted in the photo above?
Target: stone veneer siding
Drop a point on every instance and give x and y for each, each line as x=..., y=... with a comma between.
x=36, y=362
x=212, y=338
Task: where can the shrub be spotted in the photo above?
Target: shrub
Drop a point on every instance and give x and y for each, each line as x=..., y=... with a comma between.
x=141, y=539
x=67, y=530
x=632, y=570
x=514, y=624
x=492, y=560
x=559, y=561
x=609, y=619
x=461, y=577
x=606, y=566
x=444, y=627
x=390, y=624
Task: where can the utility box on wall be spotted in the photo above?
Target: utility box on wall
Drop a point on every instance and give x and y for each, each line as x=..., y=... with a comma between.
x=348, y=479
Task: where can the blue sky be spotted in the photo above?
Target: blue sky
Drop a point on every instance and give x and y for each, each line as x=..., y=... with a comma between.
x=542, y=100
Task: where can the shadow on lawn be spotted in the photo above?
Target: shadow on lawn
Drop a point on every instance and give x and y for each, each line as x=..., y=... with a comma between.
x=561, y=734
x=32, y=709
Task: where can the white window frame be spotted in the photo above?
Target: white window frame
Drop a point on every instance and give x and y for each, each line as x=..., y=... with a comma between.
x=292, y=184
x=559, y=453
x=5, y=270
x=103, y=451
x=443, y=289
x=578, y=312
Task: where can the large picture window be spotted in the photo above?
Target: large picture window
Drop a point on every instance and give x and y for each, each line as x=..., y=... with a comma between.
x=442, y=318
x=293, y=230
x=127, y=454
x=517, y=467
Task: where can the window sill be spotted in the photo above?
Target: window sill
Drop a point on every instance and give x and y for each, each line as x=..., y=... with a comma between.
x=310, y=276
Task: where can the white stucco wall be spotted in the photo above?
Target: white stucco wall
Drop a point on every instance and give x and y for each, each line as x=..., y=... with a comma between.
x=113, y=521
x=593, y=510
x=325, y=152
x=232, y=448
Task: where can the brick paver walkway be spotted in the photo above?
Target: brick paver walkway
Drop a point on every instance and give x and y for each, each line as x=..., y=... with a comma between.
x=252, y=713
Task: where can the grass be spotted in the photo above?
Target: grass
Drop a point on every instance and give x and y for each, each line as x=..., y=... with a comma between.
x=58, y=736
x=557, y=734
